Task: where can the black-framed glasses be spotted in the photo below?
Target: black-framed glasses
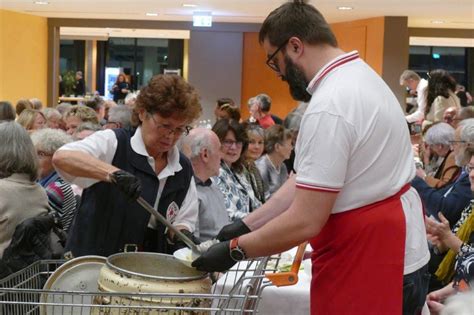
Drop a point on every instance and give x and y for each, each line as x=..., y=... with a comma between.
x=270, y=61
x=452, y=142
x=230, y=143
x=168, y=130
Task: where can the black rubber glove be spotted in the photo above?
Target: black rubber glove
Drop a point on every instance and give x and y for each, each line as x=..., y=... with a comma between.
x=179, y=243
x=233, y=230
x=127, y=183
x=217, y=258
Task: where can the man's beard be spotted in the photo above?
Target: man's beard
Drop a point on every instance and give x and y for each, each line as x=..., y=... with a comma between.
x=296, y=81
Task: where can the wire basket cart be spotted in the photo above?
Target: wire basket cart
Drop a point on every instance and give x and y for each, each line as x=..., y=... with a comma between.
x=237, y=291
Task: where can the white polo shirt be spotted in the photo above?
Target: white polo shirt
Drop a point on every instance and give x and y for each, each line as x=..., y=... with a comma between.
x=354, y=141
x=103, y=145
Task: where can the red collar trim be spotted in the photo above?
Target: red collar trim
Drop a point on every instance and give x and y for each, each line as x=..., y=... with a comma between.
x=331, y=66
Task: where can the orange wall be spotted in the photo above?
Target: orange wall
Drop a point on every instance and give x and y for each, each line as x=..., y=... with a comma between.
x=366, y=36
x=258, y=78
x=23, y=56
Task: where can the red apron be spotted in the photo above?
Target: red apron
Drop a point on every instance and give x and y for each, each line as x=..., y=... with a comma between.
x=358, y=260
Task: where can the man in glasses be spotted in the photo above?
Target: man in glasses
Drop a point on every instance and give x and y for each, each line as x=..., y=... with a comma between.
x=116, y=166
x=351, y=195
x=452, y=198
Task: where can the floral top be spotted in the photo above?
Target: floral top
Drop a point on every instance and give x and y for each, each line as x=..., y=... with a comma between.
x=464, y=266
x=239, y=197
x=464, y=215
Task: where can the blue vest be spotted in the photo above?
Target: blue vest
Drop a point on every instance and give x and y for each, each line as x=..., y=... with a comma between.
x=107, y=221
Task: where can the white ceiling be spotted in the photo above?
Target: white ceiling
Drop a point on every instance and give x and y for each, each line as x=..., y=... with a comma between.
x=421, y=13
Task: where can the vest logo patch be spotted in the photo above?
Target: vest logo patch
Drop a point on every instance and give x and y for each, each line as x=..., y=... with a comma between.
x=172, y=212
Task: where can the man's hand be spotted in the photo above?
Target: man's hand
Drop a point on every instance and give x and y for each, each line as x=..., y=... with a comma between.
x=233, y=230
x=217, y=258
x=127, y=183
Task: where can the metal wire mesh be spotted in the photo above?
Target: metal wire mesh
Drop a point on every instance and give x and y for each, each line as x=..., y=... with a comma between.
x=237, y=291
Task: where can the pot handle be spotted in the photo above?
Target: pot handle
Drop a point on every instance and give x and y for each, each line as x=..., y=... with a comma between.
x=281, y=279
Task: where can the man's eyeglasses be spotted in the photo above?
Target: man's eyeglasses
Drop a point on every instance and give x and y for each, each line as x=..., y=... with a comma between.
x=230, y=143
x=273, y=65
x=42, y=154
x=453, y=142
x=169, y=130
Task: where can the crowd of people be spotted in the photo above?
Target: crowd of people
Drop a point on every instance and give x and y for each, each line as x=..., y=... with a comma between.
x=349, y=176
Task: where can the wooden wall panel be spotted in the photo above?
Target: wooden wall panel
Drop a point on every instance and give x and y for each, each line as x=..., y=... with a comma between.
x=366, y=36
x=258, y=78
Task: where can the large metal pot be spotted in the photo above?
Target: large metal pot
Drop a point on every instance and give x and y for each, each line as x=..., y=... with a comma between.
x=150, y=273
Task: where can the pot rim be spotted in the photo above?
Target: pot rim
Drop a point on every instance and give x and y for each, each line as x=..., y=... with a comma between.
x=145, y=276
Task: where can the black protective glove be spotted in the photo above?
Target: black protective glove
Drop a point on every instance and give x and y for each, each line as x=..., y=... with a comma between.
x=233, y=230
x=127, y=183
x=179, y=243
x=216, y=258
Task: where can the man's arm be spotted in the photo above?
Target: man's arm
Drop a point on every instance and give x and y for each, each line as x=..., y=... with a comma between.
x=304, y=219
x=278, y=203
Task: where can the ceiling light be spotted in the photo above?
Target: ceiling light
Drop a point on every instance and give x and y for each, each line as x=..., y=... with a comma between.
x=343, y=8
x=41, y=2
x=189, y=5
x=437, y=22
x=151, y=14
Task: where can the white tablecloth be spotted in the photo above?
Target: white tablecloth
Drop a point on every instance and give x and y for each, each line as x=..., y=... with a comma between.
x=281, y=300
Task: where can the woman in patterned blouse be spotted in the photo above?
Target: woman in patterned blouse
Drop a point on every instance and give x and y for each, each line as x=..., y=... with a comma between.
x=458, y=265
x=239, y=196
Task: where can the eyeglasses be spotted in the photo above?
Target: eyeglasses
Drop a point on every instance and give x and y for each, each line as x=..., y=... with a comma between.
x=453, y=142
x=42, y=154
x=469, y=168
x=169, y=130
x=230, y=143
x=270, y=61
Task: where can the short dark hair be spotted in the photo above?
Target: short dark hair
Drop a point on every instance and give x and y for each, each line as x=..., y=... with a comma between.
x=6, y=111
x=222, y=127
x=298, y=19
x=225, y=100
x=95, y=103
x=232, y=111
x=168, y=95
x=23, y=104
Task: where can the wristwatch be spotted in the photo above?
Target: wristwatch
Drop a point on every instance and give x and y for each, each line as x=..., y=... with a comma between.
x=236, y=252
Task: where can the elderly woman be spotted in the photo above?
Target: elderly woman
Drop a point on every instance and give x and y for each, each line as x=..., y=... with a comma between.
x=278, y=146
x=60, y=195
x=239, y=196
x=54, y=119
x=438, y=141
x=116, y=166
x=458, y=242
x=32, y=119
x=77, y=115
x=20, y=196
x=254, y=151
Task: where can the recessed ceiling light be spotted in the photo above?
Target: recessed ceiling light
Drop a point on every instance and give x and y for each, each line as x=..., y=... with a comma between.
x=437, y=22
x=151, y=14
x=189, y=5
x=41, y=2
x=344, y=8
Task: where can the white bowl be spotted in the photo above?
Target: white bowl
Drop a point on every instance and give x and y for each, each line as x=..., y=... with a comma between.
x=186, y=256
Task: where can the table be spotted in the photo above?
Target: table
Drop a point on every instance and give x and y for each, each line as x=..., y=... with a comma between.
x=282, y=300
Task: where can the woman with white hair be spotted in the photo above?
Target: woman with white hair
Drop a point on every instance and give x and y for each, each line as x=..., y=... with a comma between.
x=20, y=196
x=438, y=140
x=60, y=195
